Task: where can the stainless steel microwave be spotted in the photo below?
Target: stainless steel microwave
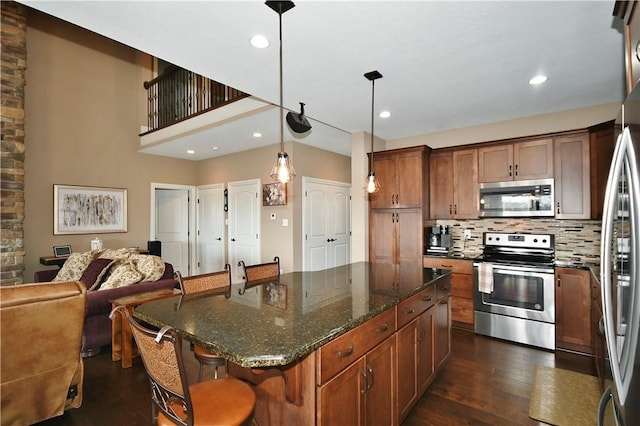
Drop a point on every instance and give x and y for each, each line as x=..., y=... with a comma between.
x=524, y=198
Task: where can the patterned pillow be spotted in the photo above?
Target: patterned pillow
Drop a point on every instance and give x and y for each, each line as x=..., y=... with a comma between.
x=123, y=273
x=121, y=253
x=151, y=267
x=74, y=266
x=93, y=274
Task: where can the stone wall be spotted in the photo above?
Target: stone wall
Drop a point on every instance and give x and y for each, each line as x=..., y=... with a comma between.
x=14, y=63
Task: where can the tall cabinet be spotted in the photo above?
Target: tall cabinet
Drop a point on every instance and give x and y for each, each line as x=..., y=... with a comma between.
x=398, y=210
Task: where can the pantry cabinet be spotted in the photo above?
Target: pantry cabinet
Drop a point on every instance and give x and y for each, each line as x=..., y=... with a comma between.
x=525, y=160
x=573, y=310
x=453, y=182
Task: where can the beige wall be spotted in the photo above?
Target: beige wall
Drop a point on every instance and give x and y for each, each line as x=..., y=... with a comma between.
x=278, y=240
x=83, y=113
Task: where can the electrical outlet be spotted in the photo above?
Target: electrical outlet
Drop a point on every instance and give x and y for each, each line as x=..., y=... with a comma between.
x=467, y=234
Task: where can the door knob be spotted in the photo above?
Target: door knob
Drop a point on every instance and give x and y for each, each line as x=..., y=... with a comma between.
x=233, y=239
x=218, y=239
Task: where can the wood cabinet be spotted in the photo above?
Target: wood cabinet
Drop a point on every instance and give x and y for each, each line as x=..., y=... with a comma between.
x=573, y=310
x=524, y=160
x=403, y=175
x=629, y=12
x=572, y=181
x=453, y=182
x=602, y=142
x=461, y=288
x=396, y=214
x=363, y=393
x=425, y=324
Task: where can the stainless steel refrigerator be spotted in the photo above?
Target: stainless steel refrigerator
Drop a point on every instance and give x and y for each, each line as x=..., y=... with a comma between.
x=620, y=269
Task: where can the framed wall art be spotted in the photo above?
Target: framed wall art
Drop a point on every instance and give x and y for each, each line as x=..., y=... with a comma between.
x=88, y=210
x=274, y=194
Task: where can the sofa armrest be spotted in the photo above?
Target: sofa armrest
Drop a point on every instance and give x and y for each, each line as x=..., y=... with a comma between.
x=44, y=275
x=98, y=301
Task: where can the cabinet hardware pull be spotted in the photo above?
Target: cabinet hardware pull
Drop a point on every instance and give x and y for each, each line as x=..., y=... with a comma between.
x=420, y=334
x=447, y=266
x=516, y=170
x=455, y=209
x=450, y=209
x=370, y=370
x=364, y=382
x=558, y=281
x=383, y=328
x=427, y=298
x=347, y=352
x=409, y=311
x=509, y=170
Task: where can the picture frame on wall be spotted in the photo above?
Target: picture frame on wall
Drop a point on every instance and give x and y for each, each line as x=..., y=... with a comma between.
x=274, y=194
x=89, y=210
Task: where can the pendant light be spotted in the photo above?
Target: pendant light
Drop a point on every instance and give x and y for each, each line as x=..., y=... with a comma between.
x=283, y=170
x=372, y=184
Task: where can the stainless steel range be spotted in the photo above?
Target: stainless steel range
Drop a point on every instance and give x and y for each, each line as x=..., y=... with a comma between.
x=514, y=288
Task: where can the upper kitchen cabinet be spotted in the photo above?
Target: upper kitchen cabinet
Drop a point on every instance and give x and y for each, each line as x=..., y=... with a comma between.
x=403, y=175
x=454, y=184
x=525, y=160
x=572, y=196
x=582, y=163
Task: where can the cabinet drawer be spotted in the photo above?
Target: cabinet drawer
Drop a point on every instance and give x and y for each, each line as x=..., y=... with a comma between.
x=457, y=266
x=415, y=305
x=336, y=355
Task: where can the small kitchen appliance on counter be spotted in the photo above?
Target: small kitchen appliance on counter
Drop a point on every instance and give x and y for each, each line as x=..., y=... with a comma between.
x=514, y=294
x=437, y=240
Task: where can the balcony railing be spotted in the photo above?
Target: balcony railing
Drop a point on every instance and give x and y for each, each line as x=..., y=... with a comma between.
x=178, y=94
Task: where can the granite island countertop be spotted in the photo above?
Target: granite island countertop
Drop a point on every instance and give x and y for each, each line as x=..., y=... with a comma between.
x=276, y=323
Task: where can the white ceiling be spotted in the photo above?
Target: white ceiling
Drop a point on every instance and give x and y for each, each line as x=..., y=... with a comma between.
x=445, y=64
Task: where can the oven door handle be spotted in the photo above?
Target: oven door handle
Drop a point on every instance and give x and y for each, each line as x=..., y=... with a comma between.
x=521, y=272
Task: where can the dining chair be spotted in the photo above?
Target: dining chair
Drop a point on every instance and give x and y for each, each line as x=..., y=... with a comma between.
x=259, y=273
x=203, y=284
x=227, y=401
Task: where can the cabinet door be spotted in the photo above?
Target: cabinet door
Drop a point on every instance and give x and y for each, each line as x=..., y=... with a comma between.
x=410, y=240
x=462, y=299
x=533, y=159
x=601, y=145
x=573, y=309
x=409, y=179
x=382, y=236
x=380, y=364
x=495, y=163
x=465, y=184
x=408, y=374
x=572, y=183
x=384, y=166
x=341, y=400
x=442, y=331
x=425, y=349
x=441, y=177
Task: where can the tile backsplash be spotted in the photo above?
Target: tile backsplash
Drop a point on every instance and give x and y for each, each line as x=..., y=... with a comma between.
x=577, y=242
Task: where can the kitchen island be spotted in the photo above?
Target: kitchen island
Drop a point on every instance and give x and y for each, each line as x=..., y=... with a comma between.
x=338, y=345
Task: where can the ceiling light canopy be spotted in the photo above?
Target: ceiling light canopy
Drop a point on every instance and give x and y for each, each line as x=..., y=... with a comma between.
x=259, y=41
x=385, y=114
x=283, y=170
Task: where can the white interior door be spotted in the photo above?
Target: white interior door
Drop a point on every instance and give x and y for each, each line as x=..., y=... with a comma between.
x=244, y=224
x=210, y=237
x=172, y=227
x=326, y=224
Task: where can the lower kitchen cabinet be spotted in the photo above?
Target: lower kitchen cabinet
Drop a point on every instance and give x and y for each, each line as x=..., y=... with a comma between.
x=573, y=310
x=461, y=288
x=363, y=393
x=442, y=332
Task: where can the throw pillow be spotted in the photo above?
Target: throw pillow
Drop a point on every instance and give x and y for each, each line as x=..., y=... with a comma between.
x=123, y=273
x=121, y=253
x=93, y=274
x=74, y=266
x=151, y=267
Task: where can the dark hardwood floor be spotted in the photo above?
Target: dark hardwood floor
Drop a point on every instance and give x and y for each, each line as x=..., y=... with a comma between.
x=485, y=382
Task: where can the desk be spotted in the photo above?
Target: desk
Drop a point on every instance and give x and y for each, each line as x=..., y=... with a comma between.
x=121, y=338
x=274, y=331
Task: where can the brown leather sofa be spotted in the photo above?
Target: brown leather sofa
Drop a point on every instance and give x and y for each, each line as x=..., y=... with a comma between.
x=41, y=370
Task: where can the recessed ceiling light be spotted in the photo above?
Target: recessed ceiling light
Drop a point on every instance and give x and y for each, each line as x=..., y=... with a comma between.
x=259, y=41
x=538, y=79
x=257, y=135
x=190, y=151
x=385, y=114
x=215, y=148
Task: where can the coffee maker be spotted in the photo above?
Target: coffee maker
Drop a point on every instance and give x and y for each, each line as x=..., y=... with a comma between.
x=437, y=240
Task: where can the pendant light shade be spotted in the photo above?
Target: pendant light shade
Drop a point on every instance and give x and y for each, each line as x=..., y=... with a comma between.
x=283, y=170
x=372, y=184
